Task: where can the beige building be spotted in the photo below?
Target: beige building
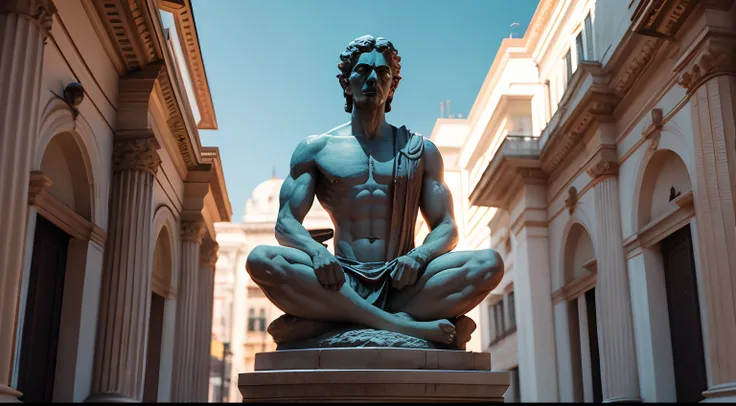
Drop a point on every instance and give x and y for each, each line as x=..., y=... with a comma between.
x=109, y=199
x=242, y=312
x=600, y=160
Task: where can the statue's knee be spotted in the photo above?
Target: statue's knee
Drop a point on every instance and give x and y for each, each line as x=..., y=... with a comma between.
x=257, y=263
x=491, y=266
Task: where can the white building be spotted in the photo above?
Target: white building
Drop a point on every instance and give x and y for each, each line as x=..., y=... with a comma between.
x=241, y=310
x=600, y=160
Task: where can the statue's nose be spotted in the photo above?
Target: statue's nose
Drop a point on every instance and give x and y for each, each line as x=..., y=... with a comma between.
x=373, y=77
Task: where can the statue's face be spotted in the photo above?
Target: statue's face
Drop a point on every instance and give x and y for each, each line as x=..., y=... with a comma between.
x=369, y=83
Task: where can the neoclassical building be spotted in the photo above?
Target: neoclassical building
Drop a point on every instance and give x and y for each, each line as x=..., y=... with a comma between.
x=599, y=159
x=109, y=199
x=242, y=312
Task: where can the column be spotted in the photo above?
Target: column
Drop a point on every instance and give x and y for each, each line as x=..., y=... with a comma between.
x=126, y=276
x=183, y=390
x=619, y=371
x=533, y=298
x=710, y=79
x=24, y=26
x=207, y=260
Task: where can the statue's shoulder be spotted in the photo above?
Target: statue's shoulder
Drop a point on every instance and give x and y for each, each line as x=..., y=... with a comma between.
x=415, y=143
x=306, y=151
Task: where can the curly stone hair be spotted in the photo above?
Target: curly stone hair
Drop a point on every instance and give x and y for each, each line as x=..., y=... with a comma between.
x=368, y=43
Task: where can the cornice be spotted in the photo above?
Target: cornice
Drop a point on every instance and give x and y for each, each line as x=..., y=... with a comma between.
x=186, y=28
x=130, y=26
x=661, y=18
x=515, y=164
x=217, y=183
x=593, y=102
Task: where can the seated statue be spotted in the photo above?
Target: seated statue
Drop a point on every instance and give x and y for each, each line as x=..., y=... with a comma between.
x=372, y=178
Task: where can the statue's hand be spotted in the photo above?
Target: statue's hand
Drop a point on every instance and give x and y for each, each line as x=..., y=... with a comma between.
x=408, y=269
x=328, y=270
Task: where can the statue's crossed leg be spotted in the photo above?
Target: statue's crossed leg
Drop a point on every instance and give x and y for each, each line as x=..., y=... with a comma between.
x=451, y=285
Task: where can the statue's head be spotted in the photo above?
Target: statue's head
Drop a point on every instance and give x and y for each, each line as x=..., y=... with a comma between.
x=369, y=72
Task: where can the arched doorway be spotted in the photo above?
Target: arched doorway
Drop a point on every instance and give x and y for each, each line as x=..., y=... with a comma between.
x=58, y=252
x=664, y=193
x=160, y=291
x=580, y=278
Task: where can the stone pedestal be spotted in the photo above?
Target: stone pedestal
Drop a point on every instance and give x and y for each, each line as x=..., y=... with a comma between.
x=373, y=375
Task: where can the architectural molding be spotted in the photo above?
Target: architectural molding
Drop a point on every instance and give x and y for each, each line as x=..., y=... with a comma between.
x=136, y=154
x=187, y=31
x=60, y=214
x=134, y=97
x=176, y=121
x=654, y=130
x=593, y=102
x=514, y=165
x=634, y=58
x=681, y=211
x=211, y=155
x=578, y=286
x=661, y=18
x=130, y=26
x=40, y=12
x=712, y=54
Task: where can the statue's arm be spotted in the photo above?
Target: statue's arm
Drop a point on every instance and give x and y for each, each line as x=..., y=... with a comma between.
x=296, y=198
x=436, y=206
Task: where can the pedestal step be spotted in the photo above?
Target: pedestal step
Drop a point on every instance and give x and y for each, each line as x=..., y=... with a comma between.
x=373, y=374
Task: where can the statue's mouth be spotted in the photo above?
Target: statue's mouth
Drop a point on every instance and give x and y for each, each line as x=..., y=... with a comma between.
x=369, y=92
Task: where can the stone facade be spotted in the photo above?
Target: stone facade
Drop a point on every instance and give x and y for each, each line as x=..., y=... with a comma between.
x=600, y=160
x=107, y=264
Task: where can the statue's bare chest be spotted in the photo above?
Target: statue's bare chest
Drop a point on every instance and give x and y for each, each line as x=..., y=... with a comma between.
x=347, y=162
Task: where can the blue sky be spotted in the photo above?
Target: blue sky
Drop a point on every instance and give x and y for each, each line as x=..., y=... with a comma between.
x=271, y=67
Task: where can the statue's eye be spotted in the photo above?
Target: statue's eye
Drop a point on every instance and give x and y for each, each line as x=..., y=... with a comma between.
x=361, y=69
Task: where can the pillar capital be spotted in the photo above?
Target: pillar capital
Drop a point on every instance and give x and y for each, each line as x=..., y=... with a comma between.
x=136, y=154
x=208, y=254
x=713, y=55
x=39, y=11
x=602, y=167
x=192, y=230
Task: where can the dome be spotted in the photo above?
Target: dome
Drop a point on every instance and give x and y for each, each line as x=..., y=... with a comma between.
x=263, y=205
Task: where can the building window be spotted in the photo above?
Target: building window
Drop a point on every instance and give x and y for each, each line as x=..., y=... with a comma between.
x=568, y=66
x=579, y=48
x=251, y=319
x=512, y=312
x=262, y=320
x=588, y=28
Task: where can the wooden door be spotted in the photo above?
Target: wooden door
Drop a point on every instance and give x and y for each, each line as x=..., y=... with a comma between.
x=42, y=319
x=684, y=316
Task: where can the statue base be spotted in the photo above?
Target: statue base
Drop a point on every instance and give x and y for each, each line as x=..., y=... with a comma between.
x=373, y=375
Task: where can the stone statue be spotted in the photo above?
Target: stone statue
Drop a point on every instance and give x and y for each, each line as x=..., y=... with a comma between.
x=372, y=183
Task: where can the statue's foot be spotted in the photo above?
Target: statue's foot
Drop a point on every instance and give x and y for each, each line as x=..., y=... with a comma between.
x=438, y=331
x=464, y=328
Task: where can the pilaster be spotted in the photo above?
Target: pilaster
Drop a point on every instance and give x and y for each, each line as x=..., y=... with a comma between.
x=708, y=72
x=24, y=26
x=126, y=276
x=619, y=371
x=207, y=260
x=185, y=359
x=122, y=328
x=533, y=296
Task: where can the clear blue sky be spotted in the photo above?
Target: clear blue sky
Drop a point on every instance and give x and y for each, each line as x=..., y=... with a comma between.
x=271, y=67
